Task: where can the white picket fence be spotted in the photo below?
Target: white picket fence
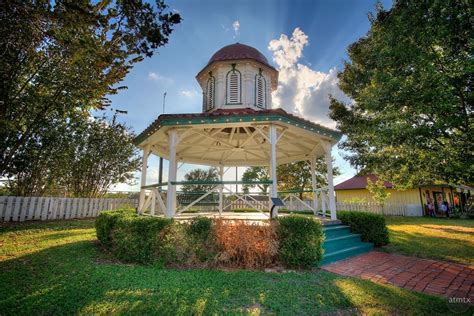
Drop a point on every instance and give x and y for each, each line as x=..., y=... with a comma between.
x=19, y=208
x=388, y=209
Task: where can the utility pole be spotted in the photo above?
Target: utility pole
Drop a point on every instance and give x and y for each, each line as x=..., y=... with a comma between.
x=160, y=172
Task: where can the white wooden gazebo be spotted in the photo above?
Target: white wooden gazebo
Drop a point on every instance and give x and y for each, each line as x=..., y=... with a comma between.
x=236, y=128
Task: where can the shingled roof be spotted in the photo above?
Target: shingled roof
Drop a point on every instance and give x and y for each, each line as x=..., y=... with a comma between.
x=360, y=182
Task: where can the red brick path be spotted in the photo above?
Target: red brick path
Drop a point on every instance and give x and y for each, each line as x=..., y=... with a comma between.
x=422, y=275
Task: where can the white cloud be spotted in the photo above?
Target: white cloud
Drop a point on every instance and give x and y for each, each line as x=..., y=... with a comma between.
x=154, y=76
x=301, y=89
x=189, y=93
x=236, y=27
x=225, y=28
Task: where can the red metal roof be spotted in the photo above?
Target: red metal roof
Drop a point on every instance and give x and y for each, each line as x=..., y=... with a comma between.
x=238, y=51
x=359, y=182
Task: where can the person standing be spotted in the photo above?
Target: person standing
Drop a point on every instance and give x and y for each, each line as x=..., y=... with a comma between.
x=431, y=209
x=445, y=208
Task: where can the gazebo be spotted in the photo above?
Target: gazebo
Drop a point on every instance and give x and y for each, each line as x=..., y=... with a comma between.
x=237, y=127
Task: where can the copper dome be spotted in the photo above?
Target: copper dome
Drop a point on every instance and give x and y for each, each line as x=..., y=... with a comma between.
x=238, y=51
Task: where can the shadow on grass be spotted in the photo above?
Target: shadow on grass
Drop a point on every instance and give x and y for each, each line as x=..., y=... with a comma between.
x=427, y=246
x=67, y=280
x=450, y=230
x=49, y=225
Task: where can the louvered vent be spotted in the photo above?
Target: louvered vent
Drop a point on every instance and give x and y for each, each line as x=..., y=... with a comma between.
x=260, y=87
x=210, y=93
x=233, y=87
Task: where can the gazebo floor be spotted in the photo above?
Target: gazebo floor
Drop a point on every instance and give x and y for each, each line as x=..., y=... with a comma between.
x=247, y=216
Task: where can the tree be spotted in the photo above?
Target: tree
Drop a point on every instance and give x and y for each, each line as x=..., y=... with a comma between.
x=297, y=175
x=411, y=82
x=83, y=157
x=256, y=174
x=379, y=191
x=292, y=176
x=39, y=167
x=211, y=174
x=63, y=58
x=100, y=155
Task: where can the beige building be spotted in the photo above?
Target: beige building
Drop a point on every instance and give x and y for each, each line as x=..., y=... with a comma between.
x=355, y=190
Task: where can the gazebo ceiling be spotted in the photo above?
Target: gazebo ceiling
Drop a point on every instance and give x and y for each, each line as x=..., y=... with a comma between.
x=237, y=137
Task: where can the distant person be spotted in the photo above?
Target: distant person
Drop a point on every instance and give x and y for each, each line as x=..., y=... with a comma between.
x=445, y=208
x=431, y=209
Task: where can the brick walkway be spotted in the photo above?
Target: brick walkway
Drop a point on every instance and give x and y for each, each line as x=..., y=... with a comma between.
x=422, y=275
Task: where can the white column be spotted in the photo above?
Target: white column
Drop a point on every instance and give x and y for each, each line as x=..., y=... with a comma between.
x=332, y=198
x=146, y=153
x=172, y=171
x=323, y=196
x=221, y=189
x=314, y=186
x=273, y=165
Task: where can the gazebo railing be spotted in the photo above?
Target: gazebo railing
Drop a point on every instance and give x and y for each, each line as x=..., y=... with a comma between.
x=185, y=201
x=318, y=205
x=228, y=200
x=222, y=198
x=153, y=199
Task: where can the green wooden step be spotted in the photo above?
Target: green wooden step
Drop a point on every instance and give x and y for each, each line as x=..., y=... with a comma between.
x=362, y=247
x=341, y=242
x=336, y=231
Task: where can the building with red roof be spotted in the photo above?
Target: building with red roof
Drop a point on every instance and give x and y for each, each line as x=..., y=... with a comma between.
x=413, y=200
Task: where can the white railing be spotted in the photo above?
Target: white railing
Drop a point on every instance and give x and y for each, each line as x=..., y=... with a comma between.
x=247, y=204
x=20, y=208
x=371, y=207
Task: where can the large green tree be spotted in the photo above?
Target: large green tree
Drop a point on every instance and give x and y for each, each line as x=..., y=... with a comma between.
x=62, y=58
x=410, y=80
x=256, y=174
x=200, y=175
x=292, y=176
x=297, y=175
x=101, y=154
x=82, y=157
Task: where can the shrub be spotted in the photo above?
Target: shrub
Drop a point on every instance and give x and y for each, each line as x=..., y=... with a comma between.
x=295, y=241
x=243, y=244
x=105, y=223
x=371, y=226
x=202, y=239
x=136, y=238
x=200, y=227
x=300, y=239
x=175, y=248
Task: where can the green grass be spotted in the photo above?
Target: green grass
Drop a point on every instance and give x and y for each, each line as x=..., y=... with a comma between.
x=58, y=268
x=436, y=238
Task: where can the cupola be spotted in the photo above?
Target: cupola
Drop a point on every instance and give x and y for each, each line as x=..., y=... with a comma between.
x=237, y=76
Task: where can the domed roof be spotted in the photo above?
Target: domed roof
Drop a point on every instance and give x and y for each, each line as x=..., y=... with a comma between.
x=238, y=51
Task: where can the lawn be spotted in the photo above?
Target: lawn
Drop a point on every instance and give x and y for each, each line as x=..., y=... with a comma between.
x=436, y=238
x=58, y=268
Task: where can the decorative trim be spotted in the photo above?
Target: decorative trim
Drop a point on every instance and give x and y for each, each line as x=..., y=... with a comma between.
x=263, y=117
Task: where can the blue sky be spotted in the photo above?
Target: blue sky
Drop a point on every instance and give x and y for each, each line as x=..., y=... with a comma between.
x=312, y=55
